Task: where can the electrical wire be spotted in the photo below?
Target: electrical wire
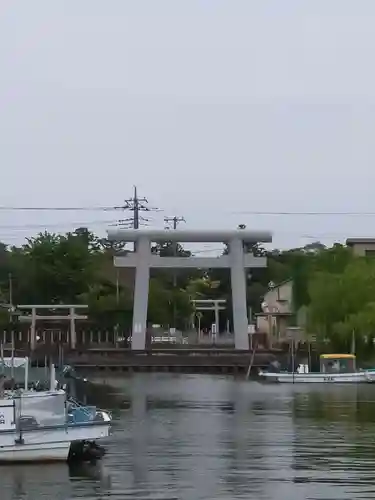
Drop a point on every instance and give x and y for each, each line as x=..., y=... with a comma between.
x=244, y=212
x=58, y=209
x=76, y=224
x=5, y=208
x=314, y=214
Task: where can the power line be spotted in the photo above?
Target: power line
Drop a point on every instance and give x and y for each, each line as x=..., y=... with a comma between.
x=58, y=209
x=370, y=214
x=26, y=227
x=130, y=204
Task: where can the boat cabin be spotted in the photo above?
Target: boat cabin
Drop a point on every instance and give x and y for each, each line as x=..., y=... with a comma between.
x=337, y=363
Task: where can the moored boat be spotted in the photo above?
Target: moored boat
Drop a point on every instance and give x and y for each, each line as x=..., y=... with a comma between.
x=334, y=368
x=46, y=426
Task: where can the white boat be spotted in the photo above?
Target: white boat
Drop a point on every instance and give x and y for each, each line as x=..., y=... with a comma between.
x=334, y=368
x=45, y=426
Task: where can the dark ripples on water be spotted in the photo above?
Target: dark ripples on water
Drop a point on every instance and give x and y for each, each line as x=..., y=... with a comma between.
x=196, y=437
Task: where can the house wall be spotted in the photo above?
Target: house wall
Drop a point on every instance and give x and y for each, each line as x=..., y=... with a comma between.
x=280, y=298
x=361, y=249
x=277, y=326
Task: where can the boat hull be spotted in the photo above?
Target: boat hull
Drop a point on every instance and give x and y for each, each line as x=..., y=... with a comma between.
x=44, y=445
x=51, y=452
x=318, y=378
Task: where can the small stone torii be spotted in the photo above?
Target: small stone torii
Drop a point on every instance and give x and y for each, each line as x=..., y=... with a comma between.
x=237, y=261
x=32, y=318
x=215, y=305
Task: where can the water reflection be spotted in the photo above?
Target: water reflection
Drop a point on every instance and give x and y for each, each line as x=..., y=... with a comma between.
x=22, y=482
x=333, y=446
x=195, y=437
x=56, y=481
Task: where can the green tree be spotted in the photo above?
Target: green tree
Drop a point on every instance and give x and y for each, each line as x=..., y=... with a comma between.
x=164, y=302
x=53, y=268
x=358, y=331
x=109, y=307
x=342, y=303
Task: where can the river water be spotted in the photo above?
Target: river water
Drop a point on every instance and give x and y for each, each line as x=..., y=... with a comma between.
x=202, y=437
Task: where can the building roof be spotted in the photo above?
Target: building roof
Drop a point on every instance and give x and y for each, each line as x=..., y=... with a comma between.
x=337, y=356
x=360, y=241
x=278, y=285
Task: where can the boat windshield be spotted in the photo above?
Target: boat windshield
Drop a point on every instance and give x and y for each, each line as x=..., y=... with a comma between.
x=337, y=365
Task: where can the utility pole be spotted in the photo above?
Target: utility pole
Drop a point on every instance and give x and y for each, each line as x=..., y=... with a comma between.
x=175, y=220
x=135, y=205
x=10, y=278
x=10, y=281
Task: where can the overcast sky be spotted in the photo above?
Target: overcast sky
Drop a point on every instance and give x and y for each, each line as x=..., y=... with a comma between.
x=213, y=108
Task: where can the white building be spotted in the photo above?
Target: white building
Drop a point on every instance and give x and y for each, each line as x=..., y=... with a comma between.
x=278, y=318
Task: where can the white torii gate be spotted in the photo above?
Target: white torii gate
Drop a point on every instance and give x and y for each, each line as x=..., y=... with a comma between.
x=142, y=260
x=32, y=318
x=215, y=305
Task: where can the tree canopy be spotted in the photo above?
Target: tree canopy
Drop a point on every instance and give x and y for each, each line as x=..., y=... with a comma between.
x=342, y=305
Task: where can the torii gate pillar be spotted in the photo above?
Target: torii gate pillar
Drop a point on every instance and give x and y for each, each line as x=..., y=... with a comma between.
x=238, y=284
x=237, y=261
x=141, y=288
